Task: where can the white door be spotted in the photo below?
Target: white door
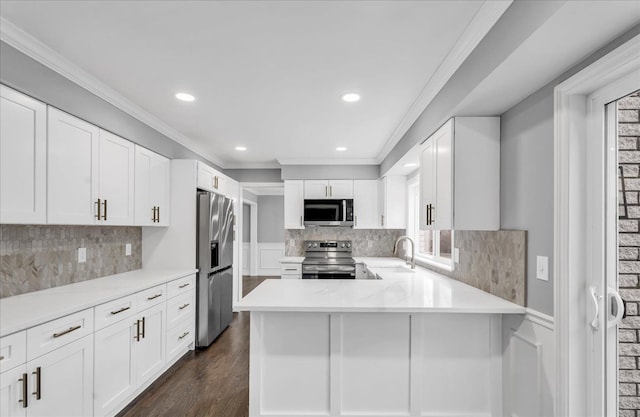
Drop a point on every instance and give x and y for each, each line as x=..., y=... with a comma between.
x=72, y=169
x=293, y=204
x=23, y=156
x=13, y=392
x=316, y=189
x=161, y=188
x=114, y=378
x=116, y=179
x=152, y=178
x=382, y=202
x=365, y=204
x=65, y=377
x=427, y=183
x=150, y=349
x=341, y=189
x=442, y=210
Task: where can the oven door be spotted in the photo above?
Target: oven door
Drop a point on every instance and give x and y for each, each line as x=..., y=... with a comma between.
x=315, y=271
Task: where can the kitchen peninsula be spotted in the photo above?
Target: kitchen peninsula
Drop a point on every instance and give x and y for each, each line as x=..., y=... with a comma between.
x=413, y=343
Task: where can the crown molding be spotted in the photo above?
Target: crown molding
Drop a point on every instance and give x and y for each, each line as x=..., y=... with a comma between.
x=480, y=24
x=34, y=48
x=328, y=161
x=252, y=165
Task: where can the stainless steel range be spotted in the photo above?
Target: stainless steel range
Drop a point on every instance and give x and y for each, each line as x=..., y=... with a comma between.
x=330, y=259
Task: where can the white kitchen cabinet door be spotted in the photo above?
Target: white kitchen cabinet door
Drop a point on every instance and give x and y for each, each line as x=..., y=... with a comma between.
x=114, y=378
x=427, y=183
x=341, y=189
x=12, y=392
x=442, y=213
x=116, y=179
x=65, y=381
x=294, y=204
x=210, y=179
x=393, y=202
x=316, y=189
x=152, y=188
x=151, y=348
x=365, y=204
x=72, y=169
x=23, y=156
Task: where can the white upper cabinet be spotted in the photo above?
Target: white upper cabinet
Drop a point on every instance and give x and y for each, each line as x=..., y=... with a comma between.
x=116, y=179
x=23, y=153
x=210, y=179
x=460, y=176
x=336, y=189
x=392, y=202
x=152, y=184
x=294, y=204
x=72, y=170
x=365, y=204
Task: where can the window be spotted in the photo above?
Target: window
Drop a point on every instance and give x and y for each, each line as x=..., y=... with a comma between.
x=432, y=246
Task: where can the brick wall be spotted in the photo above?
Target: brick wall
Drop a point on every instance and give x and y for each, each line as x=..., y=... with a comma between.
x=629, y=256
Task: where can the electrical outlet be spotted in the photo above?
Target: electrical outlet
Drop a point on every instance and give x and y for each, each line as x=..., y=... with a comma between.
x=456, y=255
x=542, y=268
x=127, y=249
x=82, y=255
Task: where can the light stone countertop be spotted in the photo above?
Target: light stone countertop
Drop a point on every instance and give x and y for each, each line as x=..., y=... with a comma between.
x=31, y=309
x=292, y=259
x=421, y=291
x=378, y=261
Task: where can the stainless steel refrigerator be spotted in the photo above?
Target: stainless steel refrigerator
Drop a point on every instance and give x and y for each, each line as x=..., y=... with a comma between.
x=215, y=263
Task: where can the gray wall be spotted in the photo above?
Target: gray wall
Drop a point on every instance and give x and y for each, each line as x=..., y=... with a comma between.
x=270, y=219
x=24, y=74
x=246, y=223
x=330, y=172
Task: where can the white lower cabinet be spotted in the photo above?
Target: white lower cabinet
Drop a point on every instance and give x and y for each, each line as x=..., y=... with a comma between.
x=13, y=392
x=150, y=349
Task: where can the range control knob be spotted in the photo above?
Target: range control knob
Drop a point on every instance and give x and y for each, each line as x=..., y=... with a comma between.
x=309, y=245
x=342, y=245
x=315, y=245
x=348, y=245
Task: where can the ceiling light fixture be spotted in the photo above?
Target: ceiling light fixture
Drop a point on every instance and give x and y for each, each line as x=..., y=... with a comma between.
x=351, y=97
x=341, y=149
x=185, y=97
x=410, y=164
x=241, y=148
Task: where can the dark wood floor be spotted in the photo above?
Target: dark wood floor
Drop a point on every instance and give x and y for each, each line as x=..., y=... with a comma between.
x=213, y=382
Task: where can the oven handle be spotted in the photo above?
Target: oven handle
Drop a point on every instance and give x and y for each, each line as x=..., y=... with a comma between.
x=344, y=210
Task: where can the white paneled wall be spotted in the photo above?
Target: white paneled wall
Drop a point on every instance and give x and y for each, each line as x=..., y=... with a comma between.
x=269, y=256
x=246, y=258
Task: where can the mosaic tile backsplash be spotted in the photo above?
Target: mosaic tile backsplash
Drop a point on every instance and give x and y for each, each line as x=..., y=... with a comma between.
x=366, y=242
x=34, y=258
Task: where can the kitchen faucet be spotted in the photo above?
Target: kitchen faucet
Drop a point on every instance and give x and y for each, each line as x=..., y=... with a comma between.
x=413, y=250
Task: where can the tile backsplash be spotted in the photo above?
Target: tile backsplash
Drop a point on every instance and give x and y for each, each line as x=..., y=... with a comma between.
x=366, y=242
x=34, y=258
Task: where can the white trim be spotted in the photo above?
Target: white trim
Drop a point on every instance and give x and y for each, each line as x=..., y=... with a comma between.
x=270, y=269
x=570, y=220
x=539, y=318
x=480, y=24
x=328, y=161
x=34, y=48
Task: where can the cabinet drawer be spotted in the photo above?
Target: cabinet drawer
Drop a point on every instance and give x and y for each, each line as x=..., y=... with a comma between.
x=180, y=308
x=179, y=338
x=181, y=285
x=291, y=269
x=13, y=350
x=54, y=334
x=152, y=296
x=114, y=311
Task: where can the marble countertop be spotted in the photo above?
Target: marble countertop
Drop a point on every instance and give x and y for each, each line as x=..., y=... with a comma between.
x=421, y=291
x=377, y=261
x=292, y=259
x=31, y=309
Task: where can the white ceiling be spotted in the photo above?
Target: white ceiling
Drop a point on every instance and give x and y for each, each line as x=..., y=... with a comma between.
x=267, y=75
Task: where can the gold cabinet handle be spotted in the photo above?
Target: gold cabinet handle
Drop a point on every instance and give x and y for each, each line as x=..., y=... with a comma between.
x=153, y=216
x=158, y=214
x=69, y=330
x=183, y=307
x=183, y=335
x=97, y=216
x=382, y=220
x=137, y=336
x=1, y=358
x=183, y=285
x=38, y=391
x=121, y=310
x=153, y=297
x=431, y=208
x=143, y=326
x=25, y=390
x=104, y=217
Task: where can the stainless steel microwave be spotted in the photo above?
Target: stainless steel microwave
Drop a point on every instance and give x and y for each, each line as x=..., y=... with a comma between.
x=328, y=212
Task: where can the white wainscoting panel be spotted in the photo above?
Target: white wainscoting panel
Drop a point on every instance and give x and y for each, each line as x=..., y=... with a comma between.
x=375, y=372
x=246, y=257
x=269, y=256
x=528, y=365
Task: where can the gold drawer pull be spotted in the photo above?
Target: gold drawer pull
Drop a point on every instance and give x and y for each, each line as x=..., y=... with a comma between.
x=69, y=330
x=25, y=390
x=184, y=306
x=183, y=335
x=121, y=310
x=1, y=358
x=183, y=285
x=153, y=297
x=38, y=391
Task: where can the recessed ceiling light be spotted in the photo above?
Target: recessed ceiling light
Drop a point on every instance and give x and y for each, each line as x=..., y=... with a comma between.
x=410, y=164
x=185, y=97
x=341, y=149
x=241, y=148
x=351, y=97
